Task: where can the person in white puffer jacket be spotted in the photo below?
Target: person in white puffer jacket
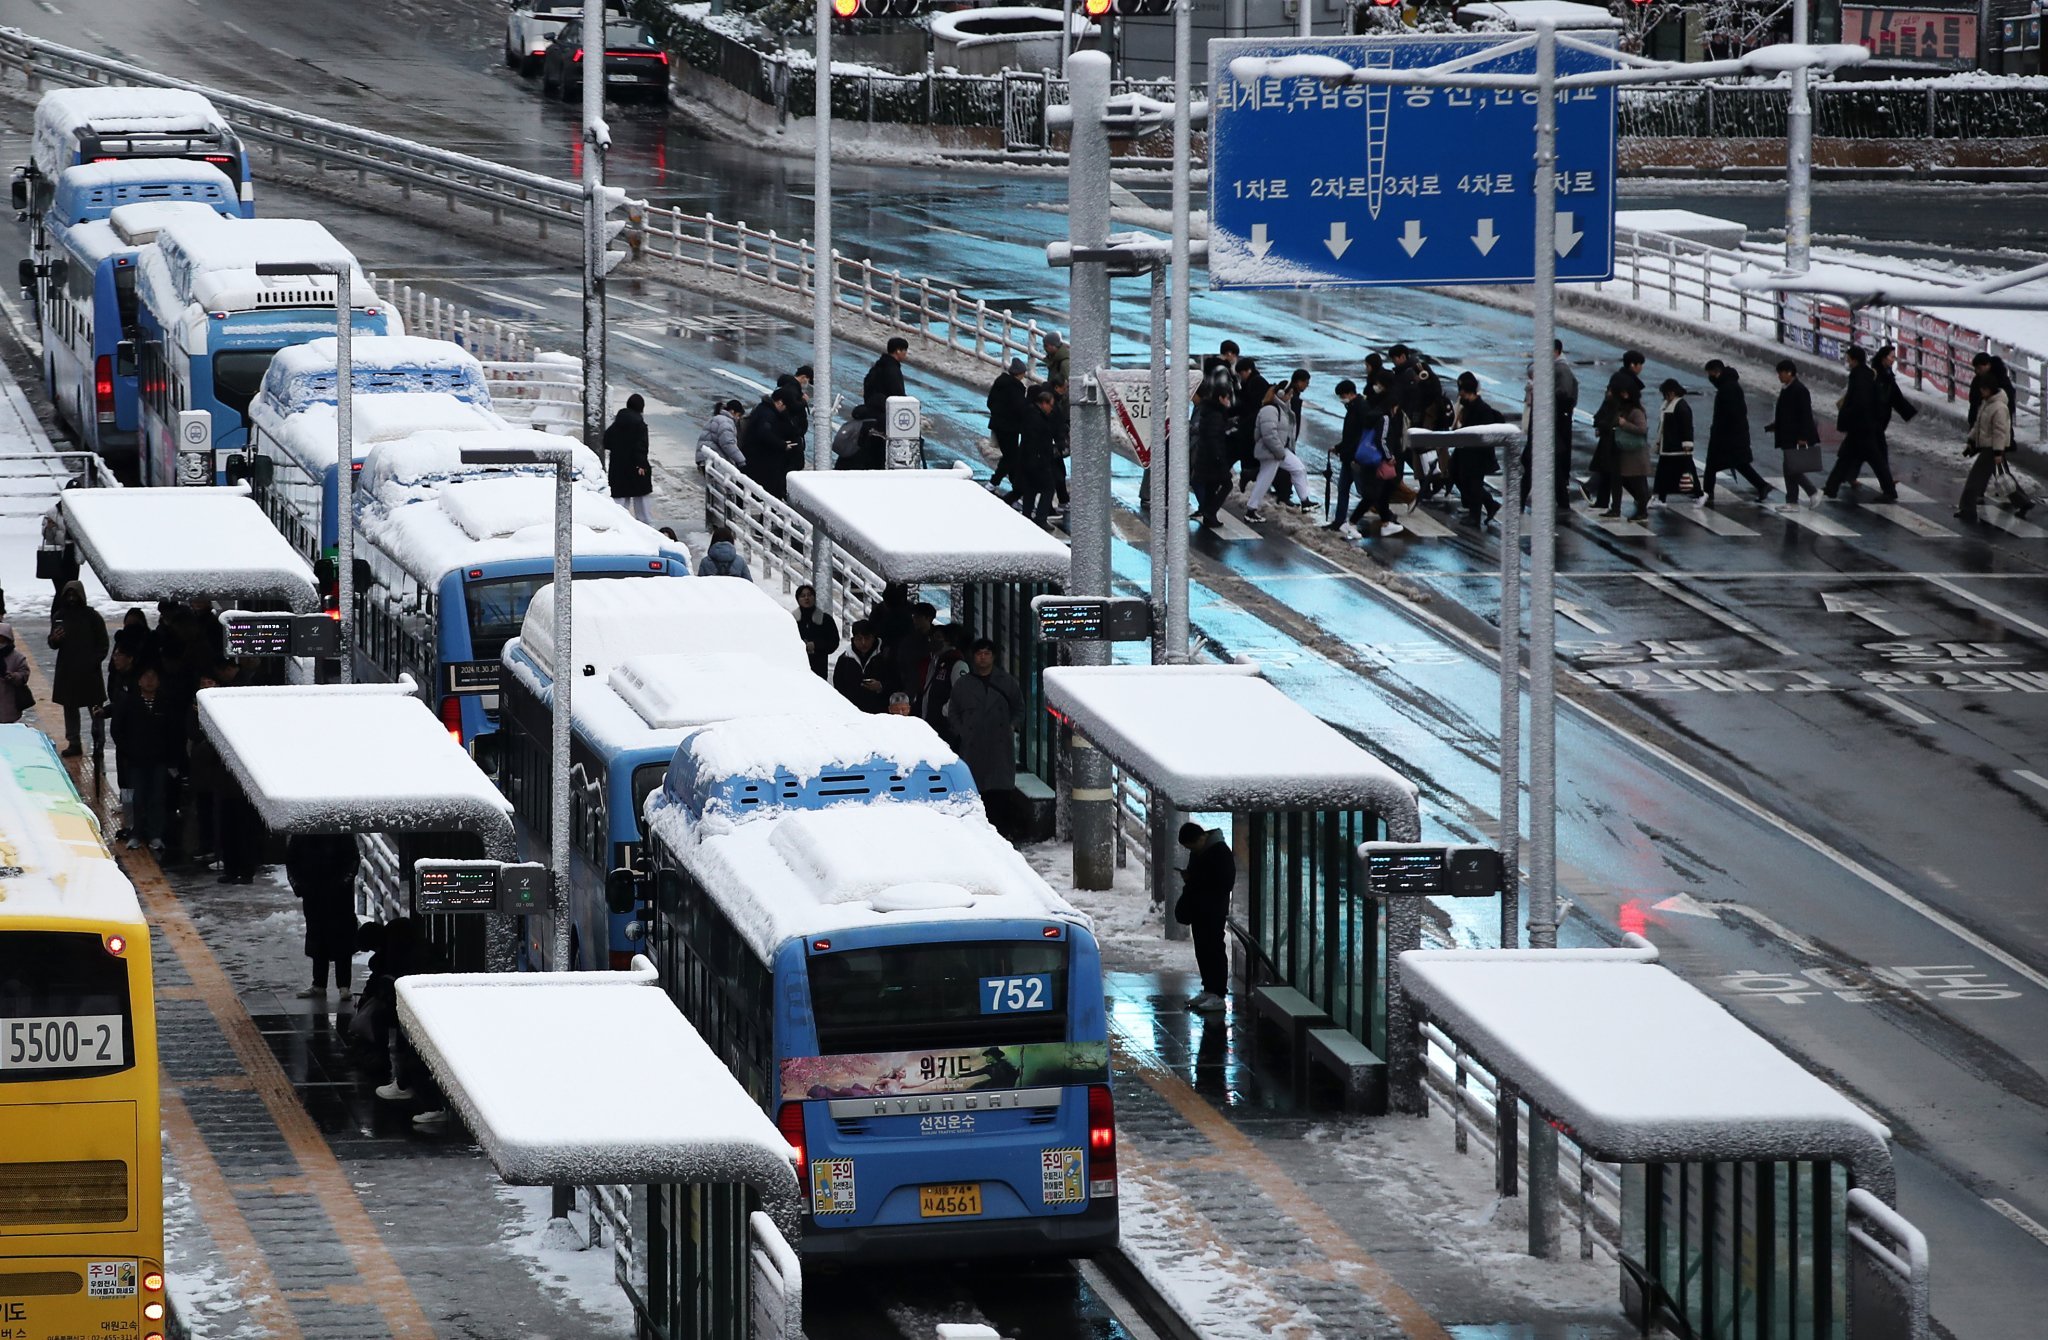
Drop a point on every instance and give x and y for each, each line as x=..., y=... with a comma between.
x=1272, y=444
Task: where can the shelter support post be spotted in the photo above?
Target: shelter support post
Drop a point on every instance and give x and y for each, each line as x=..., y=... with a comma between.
x=1404, y=1028
x=1507, y=1138
x=1163, y=823
x=823, y=268
x=1174, y=411
x=344, y=466
x=1159, y=503
x=1092, y=797
x=596, y=139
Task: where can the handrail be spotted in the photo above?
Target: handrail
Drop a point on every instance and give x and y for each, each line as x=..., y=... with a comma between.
x=1696, y=283
x=1898, y=1251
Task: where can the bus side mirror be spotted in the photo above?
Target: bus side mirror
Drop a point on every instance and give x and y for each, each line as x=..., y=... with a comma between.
x=237, y=469
x=25, y=274
x=262, y=470
x=124, y=359
x=59, y=271
x=621, y=891
x=17, y=192
x=363, y=578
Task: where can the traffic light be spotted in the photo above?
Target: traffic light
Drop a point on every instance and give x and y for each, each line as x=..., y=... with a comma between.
x=622, y=215
x=848, y=10
x=1128, y=9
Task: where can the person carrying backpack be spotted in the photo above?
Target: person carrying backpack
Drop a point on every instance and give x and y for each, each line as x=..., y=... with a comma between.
x=723, y=559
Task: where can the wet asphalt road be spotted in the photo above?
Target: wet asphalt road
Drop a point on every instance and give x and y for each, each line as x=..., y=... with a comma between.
x=1848, y=801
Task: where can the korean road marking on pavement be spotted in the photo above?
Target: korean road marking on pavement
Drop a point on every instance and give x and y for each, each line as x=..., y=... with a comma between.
x=2036, y=778
x=1711, y=519
x=2027, y=1223
x=1720, y=616
x=1901, y=515
x=1910, y=713
x=2010, y=524
x=1577, y=614
x=1981, y=603
x=1872, y=613
x=1867, y=984
x=1794, y=514
x=1731, y=797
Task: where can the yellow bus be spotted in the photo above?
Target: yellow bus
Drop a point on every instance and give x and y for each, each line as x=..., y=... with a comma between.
x=81, y=1152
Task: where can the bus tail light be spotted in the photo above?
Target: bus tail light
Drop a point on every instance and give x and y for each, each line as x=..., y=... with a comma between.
x=451, y=717
x=153, y=1311
x=789, y=1119
x=1101, y=1142
x=153, y=1280
x=622, y=960
x=103, y=386
x=116, y=945
x=578, y=57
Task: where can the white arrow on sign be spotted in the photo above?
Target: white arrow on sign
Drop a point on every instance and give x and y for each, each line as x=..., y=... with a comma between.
x=1837, y=603
x=1338, y=243
x=1567, y=236
x=1411, y=238
x=1260, y=243
x=1484, y=238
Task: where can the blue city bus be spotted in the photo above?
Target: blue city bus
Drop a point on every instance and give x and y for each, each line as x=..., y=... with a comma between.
x=210, y=319
x=96, y=190
x=401, y=385
x=656, y=660
x=89, y=312
x=453, y=554
x=920, y=1012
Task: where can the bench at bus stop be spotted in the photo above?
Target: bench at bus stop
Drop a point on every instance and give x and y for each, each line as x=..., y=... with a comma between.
x=1317, y=1049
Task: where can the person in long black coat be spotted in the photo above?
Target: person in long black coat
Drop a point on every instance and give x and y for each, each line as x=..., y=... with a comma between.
x=1211, y=456
x=885, y=378
x=1728, y=434
x=1793, y=426
x=1038, y=460
x=1624, y=388
x=1890, y=401
x=1856, y=421
x=321, y=868
x=625, y=456
x=1674, y=467
x=80, y=636
x=819, y=632
x=1008, y=403
x=765, y=442
x=1204, y=908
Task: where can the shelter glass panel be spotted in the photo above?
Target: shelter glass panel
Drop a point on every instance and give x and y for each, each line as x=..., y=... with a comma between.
x=1306, y=920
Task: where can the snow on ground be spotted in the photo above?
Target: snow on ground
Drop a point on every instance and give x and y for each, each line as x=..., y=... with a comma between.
x=1202, y=1276
x=1126, y=925
x=207, y=1300
x=581, y=1279
x=28, y=488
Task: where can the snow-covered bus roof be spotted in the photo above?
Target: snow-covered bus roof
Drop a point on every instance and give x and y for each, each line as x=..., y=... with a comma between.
x=211, y=263
x=62, y=113
x=93, y=190
x=1266, y=752
x=794, y=874
x=430, y=457
x=138, y=224
x=1639, y=1063
x=187, y=544
x=650, y=703
x=309, y=434
x=551, y=1072
x=50, y=845
x=352, y=758
x=612, y=622
x=304, y=374
x=932, y=527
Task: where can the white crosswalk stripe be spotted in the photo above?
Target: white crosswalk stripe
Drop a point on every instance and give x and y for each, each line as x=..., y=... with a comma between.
x=1809, y=518
x=1420, y=523
x=2010, y=524
x=1620, y=527
x=1900, y=514
x=1710, y=519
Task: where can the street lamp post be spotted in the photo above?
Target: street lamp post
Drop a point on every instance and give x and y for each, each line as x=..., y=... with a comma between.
x=343, y=273
x=597, y=139
x=1174, y=478
x=823, y=265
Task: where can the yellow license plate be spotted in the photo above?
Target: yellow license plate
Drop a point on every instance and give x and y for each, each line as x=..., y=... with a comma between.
x=949, y=1200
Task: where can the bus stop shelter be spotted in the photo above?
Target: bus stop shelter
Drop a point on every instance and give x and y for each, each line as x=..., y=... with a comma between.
x=372, y=760
x=942, y=528
x=595, y=1079
x=1302, y=795
x=1756, y=1199
x=188, y=544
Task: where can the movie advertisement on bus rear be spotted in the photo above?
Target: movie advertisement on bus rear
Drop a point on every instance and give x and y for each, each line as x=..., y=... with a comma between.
x=962, y=1070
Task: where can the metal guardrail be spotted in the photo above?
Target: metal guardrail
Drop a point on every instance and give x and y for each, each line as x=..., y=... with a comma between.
x=1885, y=1242
x=1588, y=1190
x=1696, y=282
x=1863, y=110
x=31, y=480
x=530, y=385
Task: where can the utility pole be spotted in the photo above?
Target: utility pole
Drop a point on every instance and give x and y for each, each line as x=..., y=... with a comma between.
x=1162, y=822
x=823, y=267
x=1173, y=410
x=345, y=462
x=1799, y=153
x=597, y=139
x=1093, y=800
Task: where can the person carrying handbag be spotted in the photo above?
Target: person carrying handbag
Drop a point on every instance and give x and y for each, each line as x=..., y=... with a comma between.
x=1631, y=454
x=1990, y=436
x=1797, y=434
x=1676, y=472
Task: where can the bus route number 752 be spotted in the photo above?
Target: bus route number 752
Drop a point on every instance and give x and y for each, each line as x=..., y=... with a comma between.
x=1016, y=995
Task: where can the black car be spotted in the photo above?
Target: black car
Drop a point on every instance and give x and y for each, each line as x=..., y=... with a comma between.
x=634, y=63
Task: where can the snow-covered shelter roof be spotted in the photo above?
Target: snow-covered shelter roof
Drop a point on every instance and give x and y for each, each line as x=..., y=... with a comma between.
x=611, y=622
x=1265, y=752
x=50, y=842
x=1563, y=14
x=353, y=758
x=794, y=873
x=927, y=526
x=188, y=544
x=593, y=1078
x=1639, y=1063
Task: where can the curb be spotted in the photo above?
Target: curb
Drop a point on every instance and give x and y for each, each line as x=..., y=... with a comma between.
x=1124, y=1272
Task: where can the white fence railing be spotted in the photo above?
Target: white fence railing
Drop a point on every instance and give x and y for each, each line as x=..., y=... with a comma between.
x=529, y=385
x=1696, y=282
x=776, y=541
x=1886, y=1244
x=1588, y=1191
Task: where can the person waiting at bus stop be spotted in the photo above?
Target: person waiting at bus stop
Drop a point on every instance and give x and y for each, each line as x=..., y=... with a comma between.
x=321, y=869
x=1204, y=908
x=985, y=708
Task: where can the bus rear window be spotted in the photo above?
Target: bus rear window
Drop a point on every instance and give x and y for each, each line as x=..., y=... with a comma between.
x=238, y=375
x=961, y=993
x=124, y=297
x=63, y=1007
x=496, y=609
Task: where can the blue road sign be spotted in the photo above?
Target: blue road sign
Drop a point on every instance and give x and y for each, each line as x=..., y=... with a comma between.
x=1314, y=185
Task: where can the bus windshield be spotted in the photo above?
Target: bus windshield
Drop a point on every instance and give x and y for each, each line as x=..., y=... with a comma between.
x=238, y=375
x=914, y=997
x=63, y=1007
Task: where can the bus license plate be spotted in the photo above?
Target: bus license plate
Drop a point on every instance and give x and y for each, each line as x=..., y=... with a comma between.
x=949, y=1200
